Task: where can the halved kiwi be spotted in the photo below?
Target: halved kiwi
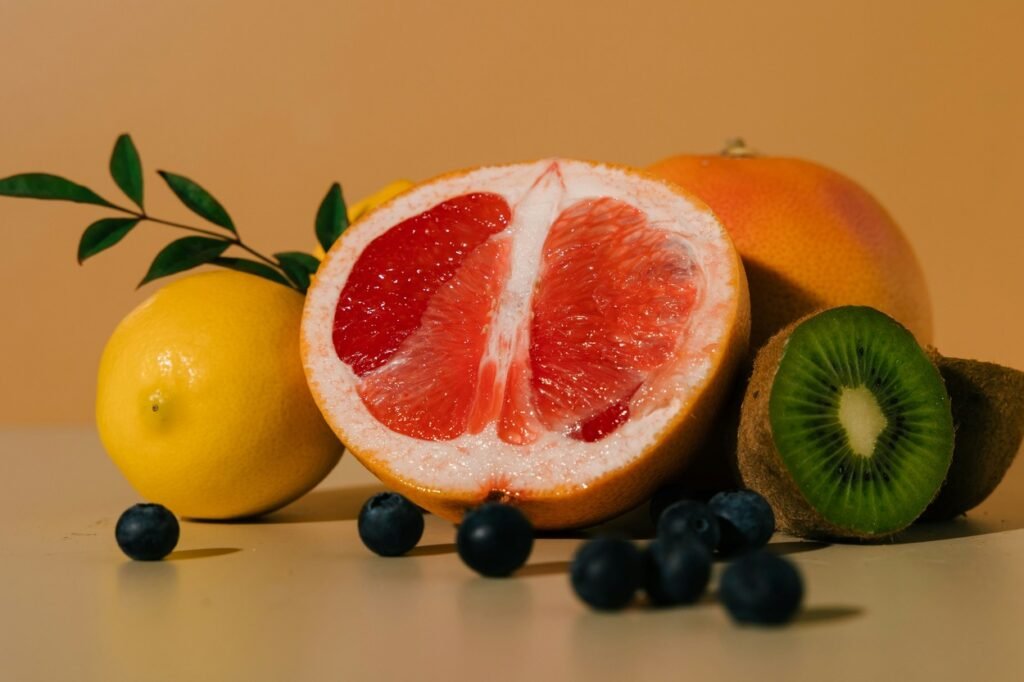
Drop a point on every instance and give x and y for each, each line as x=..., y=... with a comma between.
x=846, y=426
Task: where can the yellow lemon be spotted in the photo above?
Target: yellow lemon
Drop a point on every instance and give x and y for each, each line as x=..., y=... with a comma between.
x=202, y=402
x=356, y=210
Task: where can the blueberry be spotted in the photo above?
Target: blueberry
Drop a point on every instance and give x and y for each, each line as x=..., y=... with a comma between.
x=147, y=532
x=676, y=570
x=745, y=519
x=689, y=517
x=663, y=499
x=389, y=524
x=606, y=573
x=761, y=588
x=495, y=540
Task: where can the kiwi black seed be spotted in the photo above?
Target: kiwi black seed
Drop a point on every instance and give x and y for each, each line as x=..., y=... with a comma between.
x=846, y=427
x=988, y=410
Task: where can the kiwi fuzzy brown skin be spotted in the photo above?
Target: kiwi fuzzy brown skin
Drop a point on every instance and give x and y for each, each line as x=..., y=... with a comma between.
x=988, y=410
x=760, y=465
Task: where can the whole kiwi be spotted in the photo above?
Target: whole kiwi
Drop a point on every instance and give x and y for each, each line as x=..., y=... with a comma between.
x=988, y=411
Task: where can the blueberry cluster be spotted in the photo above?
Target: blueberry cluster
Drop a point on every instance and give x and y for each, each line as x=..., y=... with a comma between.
x=675, y=568
x=494, y=539
x=606, y=573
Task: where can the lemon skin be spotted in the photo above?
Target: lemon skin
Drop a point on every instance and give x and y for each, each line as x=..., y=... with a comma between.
x=202, y=402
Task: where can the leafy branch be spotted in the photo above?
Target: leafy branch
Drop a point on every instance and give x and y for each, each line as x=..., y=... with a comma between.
x=205, y=247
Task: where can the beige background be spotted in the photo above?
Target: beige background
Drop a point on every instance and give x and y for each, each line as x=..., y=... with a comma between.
x=266, y=103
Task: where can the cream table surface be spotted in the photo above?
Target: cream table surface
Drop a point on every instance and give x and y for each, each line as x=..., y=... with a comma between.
x=297, y=597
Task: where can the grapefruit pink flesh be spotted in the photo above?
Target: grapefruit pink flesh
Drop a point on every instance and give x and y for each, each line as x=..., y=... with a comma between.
x=611, y=302
x=415, y=321
x=399, y=272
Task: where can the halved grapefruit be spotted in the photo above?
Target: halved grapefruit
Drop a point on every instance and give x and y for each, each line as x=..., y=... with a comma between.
x=554, y=335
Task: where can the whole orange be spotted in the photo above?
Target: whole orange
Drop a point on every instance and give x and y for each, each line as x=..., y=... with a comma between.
x=809, y=238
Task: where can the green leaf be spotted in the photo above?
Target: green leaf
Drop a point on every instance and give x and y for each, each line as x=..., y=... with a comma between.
x=103, y=234
x=252, y=267
x=184, y=254
x=308, y=262
x=126, y=169
x=46, y=186
x=198, y=200
x=298, y=266
x=331, y=217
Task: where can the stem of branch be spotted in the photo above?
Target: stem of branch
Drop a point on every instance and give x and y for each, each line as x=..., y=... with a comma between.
x=235, y=240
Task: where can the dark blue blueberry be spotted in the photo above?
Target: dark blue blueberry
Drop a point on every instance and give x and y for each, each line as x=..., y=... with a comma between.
x=495, y=540
x=606, y=573
x=689, y=517
x=663, y=499
x=745, y=520
x=676, y=570
x=389, y=524
x=761, y=588
x=147, y=532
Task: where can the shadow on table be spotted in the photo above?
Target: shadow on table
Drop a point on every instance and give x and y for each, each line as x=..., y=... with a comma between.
x=927, y=531
x=795, y=546
x=322, y=504
x=543, y=568
x=634, y=524
x=820, y=615
x=204, y=553
x=432, y=550
x=960, y=527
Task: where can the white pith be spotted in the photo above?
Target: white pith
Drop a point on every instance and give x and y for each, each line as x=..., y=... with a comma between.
x=862, y=419
x=537, y=193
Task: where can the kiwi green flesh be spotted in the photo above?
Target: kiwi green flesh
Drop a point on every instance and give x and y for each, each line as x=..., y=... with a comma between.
x=872, y=470
x=988, y=412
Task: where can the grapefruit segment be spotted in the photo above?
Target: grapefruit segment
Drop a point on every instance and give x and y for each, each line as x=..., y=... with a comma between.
x=431, y=384
x=556, y=334
x=399, y=272
x=611, y=304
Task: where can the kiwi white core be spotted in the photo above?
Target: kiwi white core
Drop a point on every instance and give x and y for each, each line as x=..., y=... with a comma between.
x=862, y=419
x=537, y=192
